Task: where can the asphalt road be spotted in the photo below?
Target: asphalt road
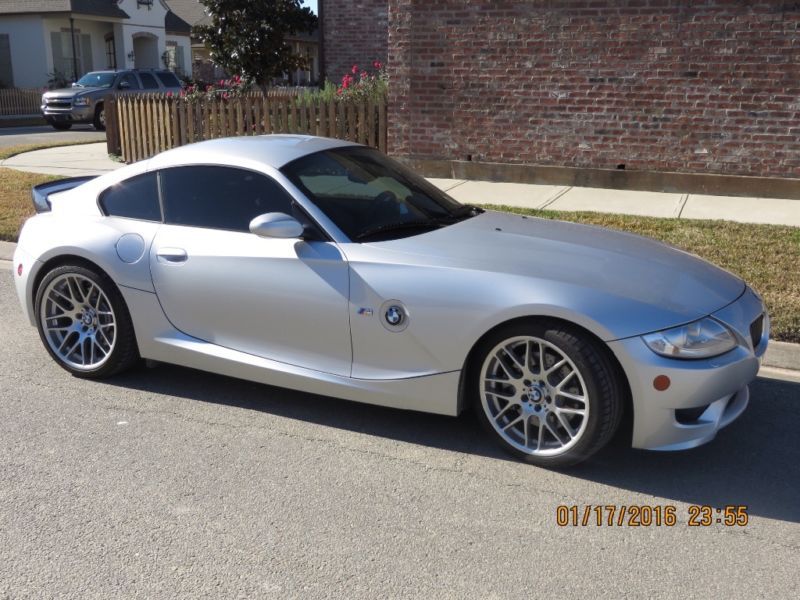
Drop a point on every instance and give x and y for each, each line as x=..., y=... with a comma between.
x=38, y=134
x=168, y=482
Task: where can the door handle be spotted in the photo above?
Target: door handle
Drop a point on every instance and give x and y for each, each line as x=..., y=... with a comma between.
x=171, y=255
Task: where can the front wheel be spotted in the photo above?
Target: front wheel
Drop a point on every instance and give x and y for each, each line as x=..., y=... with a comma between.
x=547, y=392
x=99, y=121
x=84, y=323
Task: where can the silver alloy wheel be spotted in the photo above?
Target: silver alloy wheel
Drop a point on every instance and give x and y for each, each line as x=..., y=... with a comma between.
x=534, y=396
x=78, y=321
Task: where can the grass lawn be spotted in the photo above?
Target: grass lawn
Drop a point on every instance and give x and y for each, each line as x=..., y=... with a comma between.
x=15, y=189
x=766, y=256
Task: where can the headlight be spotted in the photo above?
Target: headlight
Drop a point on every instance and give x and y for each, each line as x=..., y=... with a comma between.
x=82, y=101
x=702, y=339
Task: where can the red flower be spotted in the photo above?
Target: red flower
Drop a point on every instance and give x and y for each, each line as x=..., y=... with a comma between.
x=364, y=74
x=377, y=64
x=225, y=96
x=221, y=82
x=354, y=70
x=169, y=94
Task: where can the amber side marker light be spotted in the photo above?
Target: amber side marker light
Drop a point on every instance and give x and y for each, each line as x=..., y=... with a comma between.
x=661, y=382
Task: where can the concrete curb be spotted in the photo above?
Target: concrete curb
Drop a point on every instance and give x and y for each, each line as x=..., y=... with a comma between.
x=780, y=355
x=7, y=250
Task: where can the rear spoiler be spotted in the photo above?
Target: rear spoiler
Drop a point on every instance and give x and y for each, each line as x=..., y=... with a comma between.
x=41, y=192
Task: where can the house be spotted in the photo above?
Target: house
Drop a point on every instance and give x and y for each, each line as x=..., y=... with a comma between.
x=615, y=85
x=303, y=44
x=41, y=40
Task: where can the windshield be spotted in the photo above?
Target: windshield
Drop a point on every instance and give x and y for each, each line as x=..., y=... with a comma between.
x=98, y=80
x=371, y=197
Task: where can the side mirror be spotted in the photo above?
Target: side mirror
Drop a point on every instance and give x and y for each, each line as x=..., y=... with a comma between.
x=276, y=225
x=123, y=85
x=74, y=85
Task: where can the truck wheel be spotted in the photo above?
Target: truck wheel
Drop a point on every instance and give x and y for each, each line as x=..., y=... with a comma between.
x=99, y=118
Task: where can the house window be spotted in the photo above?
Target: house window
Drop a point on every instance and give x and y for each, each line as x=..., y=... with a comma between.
x=62, y=47
x=111, y=52
x=173, y=58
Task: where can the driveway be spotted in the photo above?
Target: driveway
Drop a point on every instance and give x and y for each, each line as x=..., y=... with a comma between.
x=37, y=134
x=168, y=482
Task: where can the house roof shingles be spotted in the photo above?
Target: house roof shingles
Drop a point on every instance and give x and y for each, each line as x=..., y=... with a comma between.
x=190, y=11
x=174, y=24
x=96, y=8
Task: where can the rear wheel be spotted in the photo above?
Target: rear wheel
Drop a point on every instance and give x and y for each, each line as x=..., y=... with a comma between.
x=547, y=392
x=99, y=121
x=84, y=323
x=61, y=125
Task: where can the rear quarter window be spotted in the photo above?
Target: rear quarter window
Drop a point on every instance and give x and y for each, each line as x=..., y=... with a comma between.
x=134, y=198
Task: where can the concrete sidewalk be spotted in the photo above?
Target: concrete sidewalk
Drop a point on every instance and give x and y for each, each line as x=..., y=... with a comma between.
x=68, y=161
x=91, y=159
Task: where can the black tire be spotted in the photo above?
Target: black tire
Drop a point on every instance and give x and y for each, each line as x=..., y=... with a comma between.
x=60, y=125
x=606, y=392
x=124, y=352
x=99, y=118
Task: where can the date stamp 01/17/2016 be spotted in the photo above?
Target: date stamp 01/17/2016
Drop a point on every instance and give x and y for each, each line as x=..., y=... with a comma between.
x=659, y=515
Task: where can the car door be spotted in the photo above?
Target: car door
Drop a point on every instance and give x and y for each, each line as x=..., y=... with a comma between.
x=149, y=82
x=281, y=299
x=128, y=83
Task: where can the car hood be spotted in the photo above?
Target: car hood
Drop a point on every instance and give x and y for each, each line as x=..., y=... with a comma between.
x=620, y=271
x=70, y=92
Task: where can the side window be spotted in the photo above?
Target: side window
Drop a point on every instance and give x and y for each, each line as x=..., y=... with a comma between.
x=130, y=79
x=220, y=197
x=168, y=79
x=134, y=198
x=148, y=81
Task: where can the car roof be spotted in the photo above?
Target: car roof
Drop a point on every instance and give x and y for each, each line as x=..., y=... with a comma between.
x=114, y=71
x=272, y=150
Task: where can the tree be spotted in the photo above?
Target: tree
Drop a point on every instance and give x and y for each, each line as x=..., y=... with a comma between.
x=248, y=37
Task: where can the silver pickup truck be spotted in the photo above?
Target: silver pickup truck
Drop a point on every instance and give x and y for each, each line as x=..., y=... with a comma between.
x=83, y=102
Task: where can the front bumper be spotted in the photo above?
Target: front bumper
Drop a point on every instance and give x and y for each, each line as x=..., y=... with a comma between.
x=712, y=392
x=73, y=114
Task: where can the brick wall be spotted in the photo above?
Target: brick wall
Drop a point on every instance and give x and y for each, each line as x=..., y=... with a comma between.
x=693, y=86
x=355, y=32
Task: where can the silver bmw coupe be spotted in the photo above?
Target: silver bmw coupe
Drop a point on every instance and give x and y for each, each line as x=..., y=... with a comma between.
x=324, y=266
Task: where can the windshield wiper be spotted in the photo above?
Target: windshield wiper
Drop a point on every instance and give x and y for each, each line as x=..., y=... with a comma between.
x=469, y=210
x=464, y=212
x=397, y=226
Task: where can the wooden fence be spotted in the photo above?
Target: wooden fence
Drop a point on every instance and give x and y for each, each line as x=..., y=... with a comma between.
x=20, y=101
x=142, y=125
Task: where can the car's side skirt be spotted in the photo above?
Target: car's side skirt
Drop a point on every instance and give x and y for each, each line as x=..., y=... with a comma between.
x=159, y=341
